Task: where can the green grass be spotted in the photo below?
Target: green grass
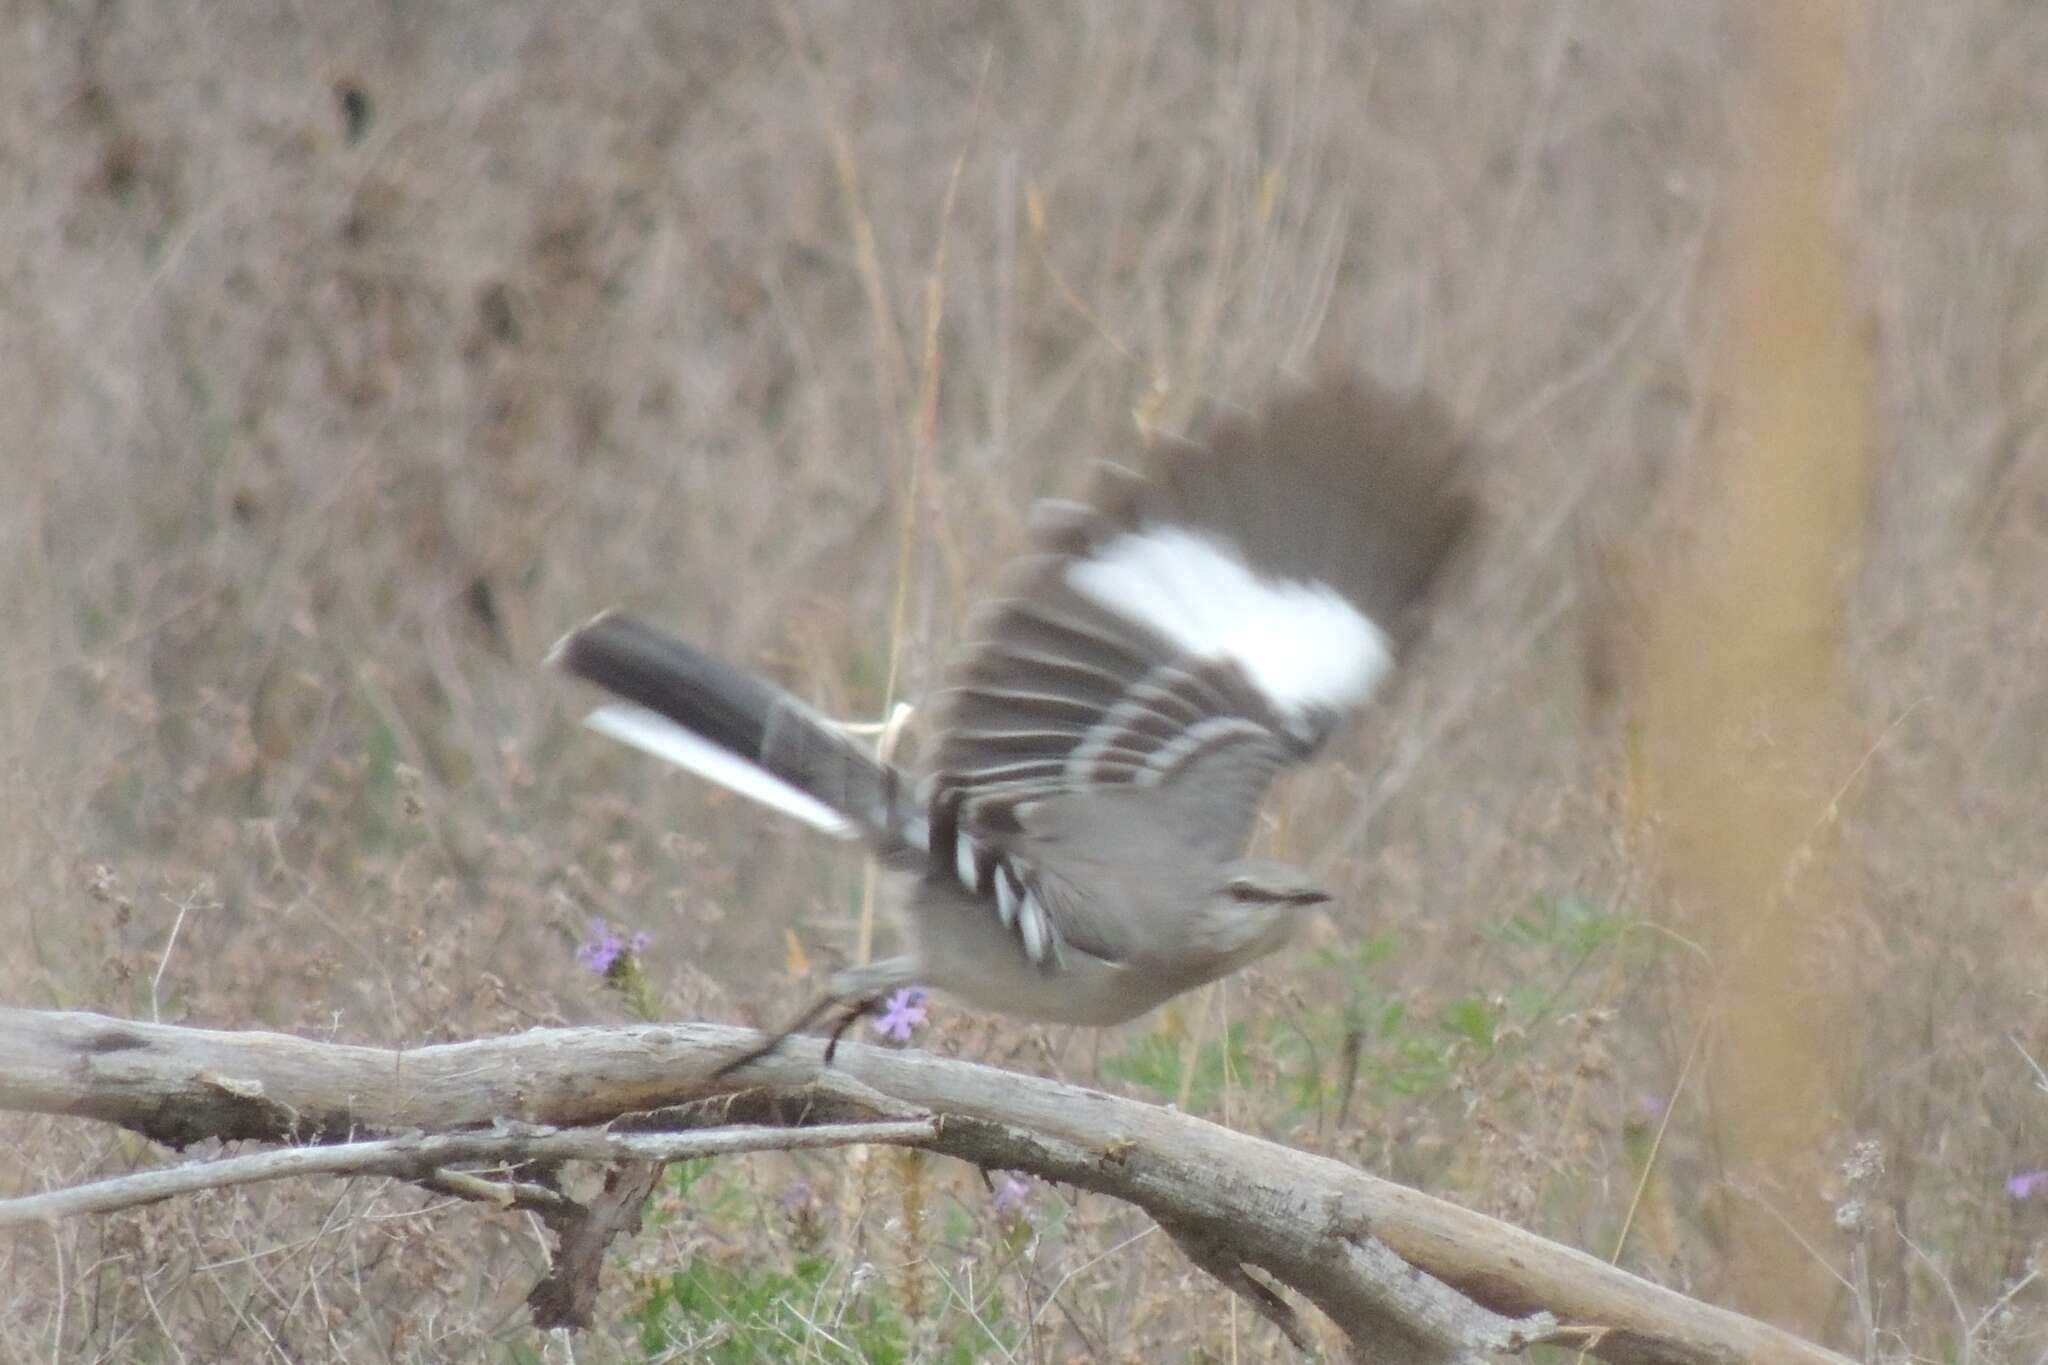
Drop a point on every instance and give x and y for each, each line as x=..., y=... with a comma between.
x=804, y=1301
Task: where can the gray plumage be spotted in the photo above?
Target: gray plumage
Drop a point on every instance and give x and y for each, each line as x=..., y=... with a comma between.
x=1074, y=850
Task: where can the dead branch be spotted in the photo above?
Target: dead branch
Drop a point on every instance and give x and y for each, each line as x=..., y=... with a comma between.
x=1380, y=1259
x=567, y=1295
x=427, y=1158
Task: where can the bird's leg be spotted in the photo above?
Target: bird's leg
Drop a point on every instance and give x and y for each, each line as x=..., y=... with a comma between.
x=859, y=989
x=854, y=1011
x=847, y=1021
x=796, y=1025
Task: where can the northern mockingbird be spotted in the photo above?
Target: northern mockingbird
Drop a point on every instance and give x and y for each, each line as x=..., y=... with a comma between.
x=1074, y=849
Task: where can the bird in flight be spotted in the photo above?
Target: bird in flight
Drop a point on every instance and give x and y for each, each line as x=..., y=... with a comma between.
x=1073, y=848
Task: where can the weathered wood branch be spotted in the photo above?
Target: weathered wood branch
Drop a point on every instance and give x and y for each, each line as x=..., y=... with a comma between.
x=427, y=1158
x=1373, y=1255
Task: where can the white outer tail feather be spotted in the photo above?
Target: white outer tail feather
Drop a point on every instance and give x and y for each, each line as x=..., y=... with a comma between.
x=662, y=737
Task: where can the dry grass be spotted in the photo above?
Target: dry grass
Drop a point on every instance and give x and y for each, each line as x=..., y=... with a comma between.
x=351, y=352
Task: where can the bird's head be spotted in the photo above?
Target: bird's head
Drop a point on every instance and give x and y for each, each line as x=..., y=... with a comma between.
x=1257, y=907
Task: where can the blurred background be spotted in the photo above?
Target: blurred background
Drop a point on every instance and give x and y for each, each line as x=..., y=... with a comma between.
x=1691, y=891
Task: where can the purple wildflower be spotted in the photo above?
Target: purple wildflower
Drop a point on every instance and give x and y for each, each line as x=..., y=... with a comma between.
x=802, y=1208
x=799, y=1200
x=902, y=1014
x=1012, y=1195
x=606, y=946
x=2027, y=1184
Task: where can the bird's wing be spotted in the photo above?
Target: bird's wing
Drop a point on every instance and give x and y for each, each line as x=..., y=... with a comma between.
x=1171, y=643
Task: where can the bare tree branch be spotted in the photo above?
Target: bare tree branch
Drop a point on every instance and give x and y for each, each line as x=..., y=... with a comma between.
x=425, y=1158
x=567, y=1295
x=1202, y=1247
x=1375, y=1256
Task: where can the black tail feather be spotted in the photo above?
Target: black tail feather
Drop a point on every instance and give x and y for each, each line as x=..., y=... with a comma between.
x=705, y=695
x=744, y=715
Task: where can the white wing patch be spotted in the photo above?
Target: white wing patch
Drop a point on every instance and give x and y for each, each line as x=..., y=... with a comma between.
x=663, y=738
x=1302, y=644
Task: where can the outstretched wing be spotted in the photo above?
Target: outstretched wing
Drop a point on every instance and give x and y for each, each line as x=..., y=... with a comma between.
x=1173, y=642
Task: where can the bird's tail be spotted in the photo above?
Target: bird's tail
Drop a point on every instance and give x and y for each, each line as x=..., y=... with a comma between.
x=742, y=732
